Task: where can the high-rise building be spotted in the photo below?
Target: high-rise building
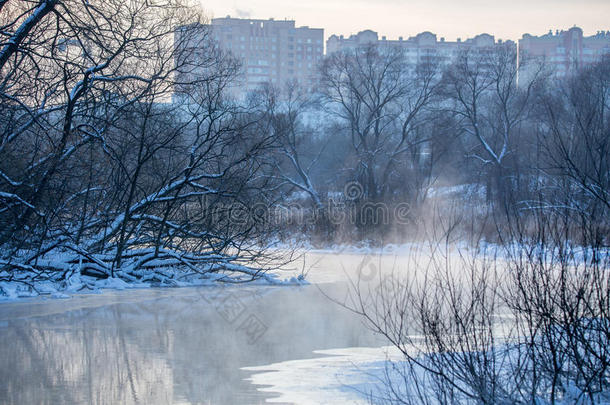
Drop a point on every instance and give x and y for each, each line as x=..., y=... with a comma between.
x=566, y=51
x=422, y=48
x=273, y=51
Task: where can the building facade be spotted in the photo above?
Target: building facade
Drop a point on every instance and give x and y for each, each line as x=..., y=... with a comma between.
x=422, y=48
x=272, y=51
x=566, y=51
x=277, y=51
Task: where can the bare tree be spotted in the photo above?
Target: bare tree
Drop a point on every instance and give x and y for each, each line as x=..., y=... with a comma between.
x=574, y=136
x=287, y=110
x=483, y=91
x=381, y=101
x=100, y=167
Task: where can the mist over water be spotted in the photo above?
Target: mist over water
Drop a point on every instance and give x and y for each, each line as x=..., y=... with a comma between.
x=170, y=345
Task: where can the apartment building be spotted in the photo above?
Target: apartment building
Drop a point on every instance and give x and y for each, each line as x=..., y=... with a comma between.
x=422, y=48
x=272, y=51
x=566, y=51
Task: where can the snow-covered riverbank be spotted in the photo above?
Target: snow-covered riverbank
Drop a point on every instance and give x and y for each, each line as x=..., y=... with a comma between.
x=77, y=283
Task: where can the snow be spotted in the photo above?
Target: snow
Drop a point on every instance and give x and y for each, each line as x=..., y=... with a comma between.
x=360, y=375
x=169, y=277
x=340, y=376
x=175, y=274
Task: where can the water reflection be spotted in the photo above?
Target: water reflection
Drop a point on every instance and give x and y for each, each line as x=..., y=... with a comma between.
x=163, y=346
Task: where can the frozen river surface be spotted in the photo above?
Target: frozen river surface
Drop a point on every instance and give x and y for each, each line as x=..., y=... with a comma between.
x=199, y=345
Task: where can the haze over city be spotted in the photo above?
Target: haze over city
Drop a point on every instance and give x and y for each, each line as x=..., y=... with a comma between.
x=446, y=18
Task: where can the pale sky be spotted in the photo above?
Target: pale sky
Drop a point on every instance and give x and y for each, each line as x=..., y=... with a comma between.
x=506, y=19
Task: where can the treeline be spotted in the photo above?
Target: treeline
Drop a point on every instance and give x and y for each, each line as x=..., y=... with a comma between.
x=123, y=150
x=488, y=137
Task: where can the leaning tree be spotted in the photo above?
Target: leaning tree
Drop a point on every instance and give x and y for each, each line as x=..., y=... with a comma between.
x=121, y=150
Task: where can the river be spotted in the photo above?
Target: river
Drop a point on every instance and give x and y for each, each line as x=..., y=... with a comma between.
x=187, y=345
